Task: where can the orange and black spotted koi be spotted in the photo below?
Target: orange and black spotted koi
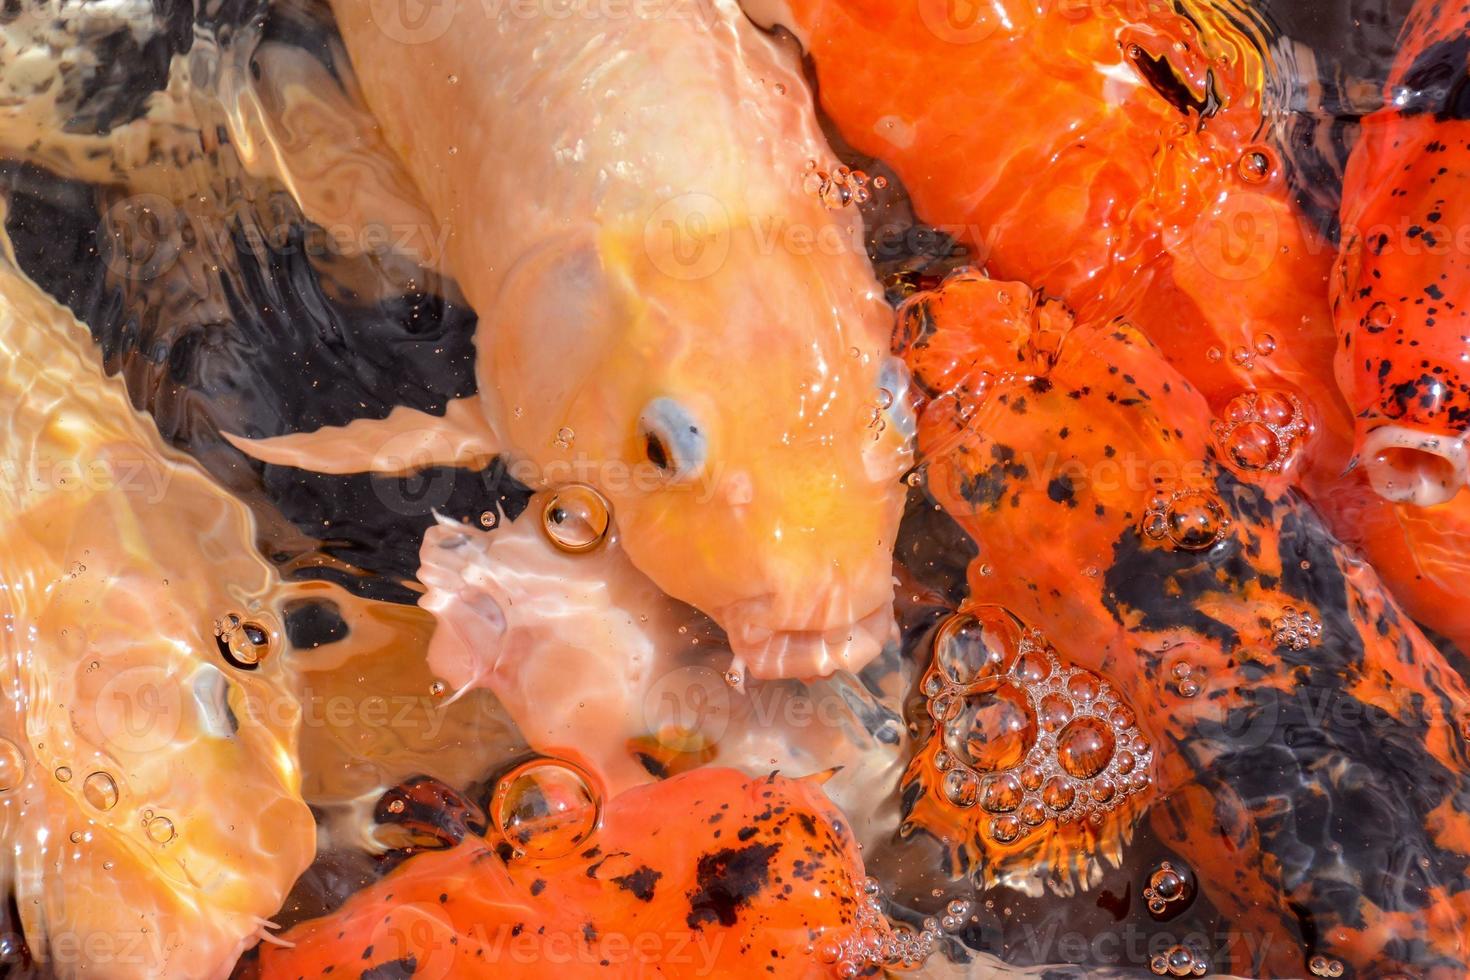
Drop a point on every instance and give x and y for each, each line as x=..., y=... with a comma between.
x=1111, y=154
x=709, y=873
x=1306, y=740
x=1402, y=292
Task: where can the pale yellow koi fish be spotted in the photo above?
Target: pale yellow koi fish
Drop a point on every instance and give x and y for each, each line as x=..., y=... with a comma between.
x=595, y=662
x=150, y=807
x=665, y=312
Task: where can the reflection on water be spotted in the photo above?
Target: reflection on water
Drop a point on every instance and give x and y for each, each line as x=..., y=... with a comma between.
x=354, y=668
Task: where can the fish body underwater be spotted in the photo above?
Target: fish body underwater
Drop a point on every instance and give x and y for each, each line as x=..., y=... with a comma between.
x=665, y=313
x=709, y=873
x=1307, y=741
x=1129, y=168
x=152, y=810
x=1400, y=288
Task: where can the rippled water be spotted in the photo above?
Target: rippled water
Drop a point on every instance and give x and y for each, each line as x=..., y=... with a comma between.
x=226, y=286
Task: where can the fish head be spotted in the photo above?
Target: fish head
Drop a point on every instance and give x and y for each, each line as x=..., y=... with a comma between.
x=744, y=419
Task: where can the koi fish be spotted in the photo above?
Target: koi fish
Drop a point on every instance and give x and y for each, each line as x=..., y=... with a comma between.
x=150, y=799
x=1293, y=720
x=594, y=661
x=1124, y=170
x=632, y=291
x=711, y=872
x=1399, y=289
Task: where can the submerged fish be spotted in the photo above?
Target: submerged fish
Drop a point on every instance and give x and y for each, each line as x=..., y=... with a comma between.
x=1124, y=170
x=595, y=662
x=710, y=873
x=1303, y=743
x=150, y=799
x=665, y=313
x=1400, y=292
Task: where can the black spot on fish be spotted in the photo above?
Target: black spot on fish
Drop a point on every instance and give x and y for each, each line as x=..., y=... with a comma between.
x=726, y=881
x=641, y=882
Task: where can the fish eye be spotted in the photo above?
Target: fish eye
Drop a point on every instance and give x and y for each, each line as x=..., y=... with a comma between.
x=672, y=439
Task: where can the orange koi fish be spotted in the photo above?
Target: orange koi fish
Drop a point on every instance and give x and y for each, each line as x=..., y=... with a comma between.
x=150, y=798
x=625, y=244
x=1112, y=154
x=710, y=873
x=1399, y=294
x=1291, y=720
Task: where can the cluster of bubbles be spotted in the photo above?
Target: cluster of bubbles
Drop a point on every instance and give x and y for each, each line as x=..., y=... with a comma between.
x=1021, y=736
x=1243, y=356
x=1187, y=518
x=1295, y=629
x=1321, y=966
x=840, y=187
x=1260, y=429
x=1166, y=886
x=545, y=809
x=1179, y=961
x=875, y=942
x=243, y=643
x=576, y=518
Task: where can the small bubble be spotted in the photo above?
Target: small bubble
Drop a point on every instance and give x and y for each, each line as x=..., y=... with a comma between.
x=1254, y=167
x=76, y=837
x=453, y=79
x=1265, y=345
x=1214, y=354
x=880, y=182
x=733, y=678
x=576, y=518
x=160, y=830
x=564, y=438
x=100, y=790
x=961, y=787
x=243, y=644
x=489, y=519
x=12, y=765
x=438, y=689
x=396, y=806
x=63, y=774
x=545, y=808
x=779, y=88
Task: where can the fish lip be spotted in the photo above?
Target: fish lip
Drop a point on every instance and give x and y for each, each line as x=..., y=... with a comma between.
x=769, y=653
x=1415, y=487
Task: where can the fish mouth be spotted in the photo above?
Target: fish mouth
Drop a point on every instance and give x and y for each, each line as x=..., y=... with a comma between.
x=771, y=654
x=1424, y=469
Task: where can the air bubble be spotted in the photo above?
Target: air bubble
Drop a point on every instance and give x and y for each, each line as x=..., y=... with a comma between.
x=1085, y=747
x=100, y=790
x=63, y=774
x=242, y=643
x=545, y=808
x=160, y=830
x=971, y=648
x=576, y=518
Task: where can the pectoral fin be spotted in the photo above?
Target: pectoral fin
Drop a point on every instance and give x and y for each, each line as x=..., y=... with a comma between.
x=405, y=441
